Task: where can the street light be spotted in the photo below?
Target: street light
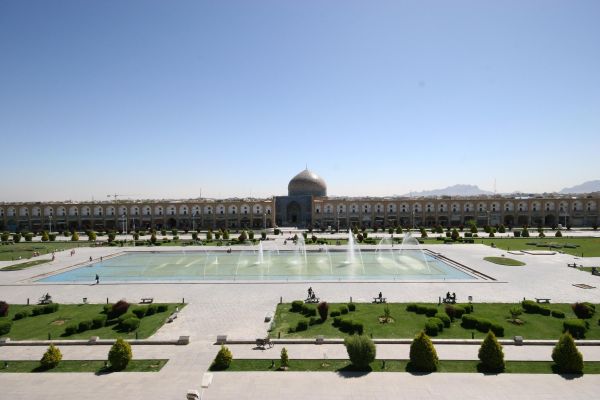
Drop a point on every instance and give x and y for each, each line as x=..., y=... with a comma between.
x=50, y=218
x=125, y=226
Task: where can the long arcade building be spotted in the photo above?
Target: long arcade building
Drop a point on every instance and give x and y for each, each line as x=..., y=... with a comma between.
x=306, y=204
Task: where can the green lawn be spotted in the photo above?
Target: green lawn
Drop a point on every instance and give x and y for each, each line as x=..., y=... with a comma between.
x=25, y=265
x=588, y=247
x=408, y=324
x=10, y=252
x=511, y=262
x=40, y=326
x=515, y=367
x=96, y=366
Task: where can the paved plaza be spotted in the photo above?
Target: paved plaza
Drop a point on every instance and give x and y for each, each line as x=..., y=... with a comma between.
x=238, y=310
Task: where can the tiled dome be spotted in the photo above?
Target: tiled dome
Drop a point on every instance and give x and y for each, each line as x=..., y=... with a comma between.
x=307, y=183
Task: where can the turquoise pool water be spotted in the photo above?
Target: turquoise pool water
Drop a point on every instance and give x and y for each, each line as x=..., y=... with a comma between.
x=267, y=266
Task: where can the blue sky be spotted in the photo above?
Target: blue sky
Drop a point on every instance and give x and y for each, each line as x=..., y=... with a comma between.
x=162, y=99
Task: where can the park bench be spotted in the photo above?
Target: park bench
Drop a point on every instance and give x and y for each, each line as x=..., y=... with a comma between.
x=542, y=300
x=172, y=317
x=263, y=342
x=595, y=272
x=449, y=300
x=379, y=299
x=574, y=265
x=312, y=300
x=147, y=300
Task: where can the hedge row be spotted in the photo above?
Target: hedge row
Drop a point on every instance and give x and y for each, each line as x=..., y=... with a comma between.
x=481, y=324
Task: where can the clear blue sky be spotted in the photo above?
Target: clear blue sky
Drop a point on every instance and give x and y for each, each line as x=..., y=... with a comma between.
x=162, y=98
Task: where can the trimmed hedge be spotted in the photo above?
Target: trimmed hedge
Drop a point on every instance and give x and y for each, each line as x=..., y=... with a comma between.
x=558, y=314
x=445, y=319
x=577, y=327
x=297, y=305
x=99, y=321
x=351, y=307
x=361, y=351
x=433, y=326
x=130, y=324
x=20, y=315
x=584, y=310
x=531, y=307
x=334, y=314
x=301, y=326
x=140, y=312
x=71, y=329
x=5, y=327
x=84, y=326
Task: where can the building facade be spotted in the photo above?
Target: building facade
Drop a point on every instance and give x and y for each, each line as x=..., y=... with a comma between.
x=306, y=205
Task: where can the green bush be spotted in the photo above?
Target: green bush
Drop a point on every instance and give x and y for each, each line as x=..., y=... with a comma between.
x=5, y=327
x=140, y=312
x=483, y=325
x=51, y=357
x=130, y=324
x=37, y=310
x=566, y=356
x=444, y=318
x=337, y=321
x=74, y=236
x=431, y=311
x=361, y=350
x=343, y=310
x=491, y=354
x=346, y=325
x=423, y=356
x=309, y=311
x=497, y=329
x=351, y=307
x=469, y=321
x=50, y=308
x=301, y=326
x=297, y=305
x=223, y=359
x=118, y=309
x=125, y=316
x=161, y=308
x=421, y=309
x=20, y=315
x=84, y=326
x=323, y=309
x=99, y=321
x=152, y=309
x=576, y=327
x=334, y=314
x=412, y=307
x=3, y=309
x=312, y=321
x=71, y=329
x=584, y=310
x=283, y=358
x=431, y=327
x=459, y=311
x=119, y=355
x=358, y=328
x=558, y=314
x=531, y=307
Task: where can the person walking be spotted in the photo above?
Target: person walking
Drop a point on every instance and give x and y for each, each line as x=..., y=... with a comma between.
x=97, y=279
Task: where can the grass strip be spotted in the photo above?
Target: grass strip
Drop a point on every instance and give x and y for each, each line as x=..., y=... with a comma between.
x=448, y=366
x=25, y=265
x=511, y=262
x=95, y=366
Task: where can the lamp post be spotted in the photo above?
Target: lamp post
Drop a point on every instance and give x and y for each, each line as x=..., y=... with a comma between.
x=125, y=226
x=50, y=219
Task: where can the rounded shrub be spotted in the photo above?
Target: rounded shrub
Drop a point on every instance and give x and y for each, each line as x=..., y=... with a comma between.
x=566, y=356
x=431, y=311
x=334, y=314
x=491, y=354
x=361, y=350
x=37, y=310
x=84, y=326
x=497, y=329
x=21, y=315
x=583, y=310
x=346, y=325
x=119, y=355
x=411, y=307
x=50, y=308
x=343, y=310
x=444, y=318
x=421, y=309
x=558, y=314
x=575, y=327
x=423, y=356
x=118, y=309
x=130, y=324
x=483, y=325
x=469, y=321
x=431, y=327
x=5, y=327
x=297, y=305
x=71, y=329
x=301, y=326
x=99, y=321
x=337, y=321
x=309, y=311
x=161, y=308
x=152, y=309
x=223, y=359
x=140, y=312
x=459, y=311
x=351, y=307
x=51, y=357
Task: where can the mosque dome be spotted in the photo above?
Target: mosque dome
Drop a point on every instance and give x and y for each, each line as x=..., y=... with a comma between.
x=307, y=183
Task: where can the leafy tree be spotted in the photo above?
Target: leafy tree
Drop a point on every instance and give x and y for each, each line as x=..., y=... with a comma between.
x=153, y=238
x=558, y=234
x=226, y=234
x=251, y=235
x=243, y=237
x=501, y=229
x=323, y=310
x=423, y=356
x=515, y=312
x=566, y=356
x=51, y=357
x=45, y=236
x=491, y=354
x=455, y=235
x=263, y=235
x=361, y=350
x=285, y=361
x=5, y=236
x=16, y=237
x=119, y=355
x=209, y=236
x=223, y=359
x=92, y=236
x=387, y=314
x=74, y=236
x=398, y=230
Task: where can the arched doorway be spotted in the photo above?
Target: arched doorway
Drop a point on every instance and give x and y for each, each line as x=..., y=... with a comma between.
x=293, y=212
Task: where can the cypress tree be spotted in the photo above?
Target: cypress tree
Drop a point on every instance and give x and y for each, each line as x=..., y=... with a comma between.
x=491, y=354
x=423, y=356
x=567, y=358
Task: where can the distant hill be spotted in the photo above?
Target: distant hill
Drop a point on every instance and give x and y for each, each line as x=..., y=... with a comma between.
x=456, y=190
x=585, y=187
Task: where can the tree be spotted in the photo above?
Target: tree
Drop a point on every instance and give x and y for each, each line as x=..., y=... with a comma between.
x=119, y=355
x=223, y=359
x=16, y=237
x=455, y=235
x=558, y=234
x=515, y=312
x=387, y=314
x=45, y=236
x=323, y=309
x=153, y=238
x=92, y=236
x=566, y=356
x=51, y=357
x=209, y=236
x=251, y=235
x=75, y=236
x=361, y=350
x=423, y=356
x=226, y=234
x=491, y=354
x=243, y=237
x=285, y=361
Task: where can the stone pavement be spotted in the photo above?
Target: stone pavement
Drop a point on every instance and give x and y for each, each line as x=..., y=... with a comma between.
x=238, y=310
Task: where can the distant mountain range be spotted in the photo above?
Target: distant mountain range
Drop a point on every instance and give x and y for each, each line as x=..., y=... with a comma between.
x=473, y=190
x=456, y=190
x=585, y=187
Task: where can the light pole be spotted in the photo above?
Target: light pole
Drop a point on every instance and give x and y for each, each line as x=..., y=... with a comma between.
x=50, y=218
x=125, y=226
x=264, y=221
